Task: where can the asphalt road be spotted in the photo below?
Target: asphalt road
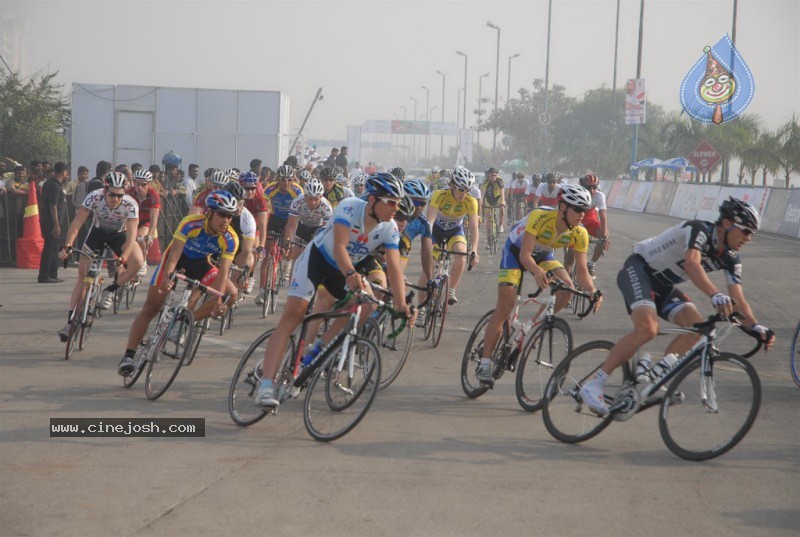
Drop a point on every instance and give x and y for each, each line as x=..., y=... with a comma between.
x=426, y=460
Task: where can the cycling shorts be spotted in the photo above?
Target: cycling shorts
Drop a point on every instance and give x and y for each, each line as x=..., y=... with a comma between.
x=511, y=270
x=640, y=289
x=276, y=224
x=199, y=269
x=449, y=238
x=306, y=233
x=312, y=270
x=97, y=239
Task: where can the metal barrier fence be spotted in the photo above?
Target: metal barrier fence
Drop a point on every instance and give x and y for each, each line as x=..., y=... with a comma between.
x=12, y=211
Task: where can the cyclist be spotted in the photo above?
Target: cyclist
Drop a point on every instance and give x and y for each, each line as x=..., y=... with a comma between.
x=649, y=277
x=360, y=186
x=342, y=181
x=398, y=172
x=547, y=193
x=595, y=221
x=302, y=178
x=255, y=203
x=433, y=179
x=307, y=214
x=149, y=208
x=332, y=261
x=216, y=181
x=529, y=247
x=447, y=210
x=333, y=192
x=196, y=238
x=115, y=223
x=244, y=224
x=280, y=196
x=417, y=226
x=517, y=188
x=530, y=192
x=494, y=196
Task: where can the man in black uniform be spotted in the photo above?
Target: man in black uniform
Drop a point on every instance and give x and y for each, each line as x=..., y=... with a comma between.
x=53, y=219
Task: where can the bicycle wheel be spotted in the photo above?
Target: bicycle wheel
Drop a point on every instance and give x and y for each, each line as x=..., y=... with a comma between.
x=427, y=329
x=140, y=360
x=794, y=357
x=119, y=295
x=223, y=323
x=336, y=400
x=439, y=311
x=701, y=416
x=565, y=415
x=242, y=406
x=200, y=329
x=495, y=234
x=473, y=353
x=93, y=312
x=274, y=283
x=168, y=356
x=130, y=294
x=229, y=316
x=542, y=353
x=73, y=335
x=394, y=351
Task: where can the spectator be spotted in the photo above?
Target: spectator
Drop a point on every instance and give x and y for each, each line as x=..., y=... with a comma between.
x=102, y=168
x=255, y=165
x=331, y=160
x=189, y=185
x=194, y=174
x=341, y=161
x=135, y=167
x=53, y=219
x=19, y=183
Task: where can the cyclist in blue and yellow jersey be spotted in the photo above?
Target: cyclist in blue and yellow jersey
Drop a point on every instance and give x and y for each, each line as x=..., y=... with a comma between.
x=196, y=238
x=447, y=211
x=418, y=226
x=530, y=247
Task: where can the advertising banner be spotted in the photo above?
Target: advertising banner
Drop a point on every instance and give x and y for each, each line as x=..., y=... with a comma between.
x=618, y=201
x=791, y=219
x=660, y=198
x=775, y=210
x=611, y=193
x=707, y=206
x=635, y=101
x=637, y=198
x=684, y=204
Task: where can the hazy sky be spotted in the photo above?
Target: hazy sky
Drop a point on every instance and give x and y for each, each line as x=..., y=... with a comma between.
x=371, y=56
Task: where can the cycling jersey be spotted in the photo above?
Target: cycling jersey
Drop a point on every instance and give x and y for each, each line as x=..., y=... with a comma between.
x=418, y=226
x=308, y=216
x=152, y=200
x=591, y=218
x=352, y=213
x=257, y=204
x=200, y=198
x=280, y=202
x=492, y=192
x=519, y=187
x=109, y=219
x=541, y=223
x=245, y=225
x=193, y=230
x=451, y=213
x=546, y=196
x=334, y=195
x=665, y=253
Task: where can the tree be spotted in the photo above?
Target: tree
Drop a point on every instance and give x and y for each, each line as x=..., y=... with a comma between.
x=788, y=154
x=33, y=118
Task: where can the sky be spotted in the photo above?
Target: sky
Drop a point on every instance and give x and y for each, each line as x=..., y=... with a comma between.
x=371, y=57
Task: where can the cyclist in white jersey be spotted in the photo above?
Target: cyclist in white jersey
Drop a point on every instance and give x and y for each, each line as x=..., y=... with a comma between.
x=115, y=224
x=332, y=262
x=649, y=277
x=245, y=226
x=307, y=214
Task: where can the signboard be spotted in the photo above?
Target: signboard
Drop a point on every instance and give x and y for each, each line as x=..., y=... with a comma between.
x=635, y=102
x=704, y=157
x=544, y=119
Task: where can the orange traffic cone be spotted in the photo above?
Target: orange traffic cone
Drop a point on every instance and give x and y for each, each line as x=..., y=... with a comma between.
x=29, y=247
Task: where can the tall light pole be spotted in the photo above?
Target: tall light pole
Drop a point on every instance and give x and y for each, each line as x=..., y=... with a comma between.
x=414, y=136
x=405, y=118
x=441, y=147
x=635, y=141
x=508, y=91
x=614, y=81
x=464, y=118
x=480, y=103
x=545, y=147
x=428, y=119
x=490, y=24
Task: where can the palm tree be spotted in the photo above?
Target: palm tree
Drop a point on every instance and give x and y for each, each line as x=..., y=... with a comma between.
x=788, y=154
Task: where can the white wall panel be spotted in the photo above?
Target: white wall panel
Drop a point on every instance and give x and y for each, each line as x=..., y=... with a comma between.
x=92, y=126
x=259, y=112
x=177, y=110
x=138, y=98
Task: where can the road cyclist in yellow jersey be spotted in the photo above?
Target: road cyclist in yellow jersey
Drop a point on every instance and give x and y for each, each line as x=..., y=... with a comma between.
x=494, y=197
x=196, y=238
x=447, y=210
x=530, y=247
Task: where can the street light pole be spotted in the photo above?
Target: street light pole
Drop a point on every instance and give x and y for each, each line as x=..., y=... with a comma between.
x=480, y=103
x=545, y=147
x=414, y=136
x=508, y=94
x=405, y=118
x=441, y=147
x=635, y=141
x=464, y=118
x=428, y=119
x=490, y=24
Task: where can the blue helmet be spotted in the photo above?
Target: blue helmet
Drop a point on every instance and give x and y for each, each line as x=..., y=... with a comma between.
x=248, y=179
x=222, y=201
x=416, y=189
x=385, y=184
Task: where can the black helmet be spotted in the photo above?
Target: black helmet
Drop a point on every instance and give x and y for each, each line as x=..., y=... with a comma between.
x=235, y=188
x=740, y=212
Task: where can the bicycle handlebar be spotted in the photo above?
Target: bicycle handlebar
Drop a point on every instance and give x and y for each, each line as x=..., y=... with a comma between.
x=196, y=284
x=93, y=257
x=557, y=284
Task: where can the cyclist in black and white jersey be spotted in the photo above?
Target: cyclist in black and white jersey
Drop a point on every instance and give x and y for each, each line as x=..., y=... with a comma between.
x=649, y=277
x=308, y=212
x=244, y=224
x=115, y=224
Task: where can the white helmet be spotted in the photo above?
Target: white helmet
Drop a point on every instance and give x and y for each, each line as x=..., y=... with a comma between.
x=115, y=180
x=576, y=196
x=314, y=188
x=463, y=178
x=360, y=179
x=219, y=178
x=444, y=182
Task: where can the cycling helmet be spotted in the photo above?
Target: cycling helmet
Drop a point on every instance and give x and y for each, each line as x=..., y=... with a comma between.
x=314, y=188
x=235, y=189
x=492, y=170
x=405, y=207
x=304, y=175
x=115, y=180
x=416, y=189
x=248, y=179
x=385, y=184
x=219, y=178
x=550, y=177
x=588, y=180
x=575, y=195
x=327, y=172
x=285, y=171
x=341, y=179
x=222, y=201
x=444, y=182
x=463, y=178
x=740, y=212
x=398, y=172
x=360, y=179
x=142, y=176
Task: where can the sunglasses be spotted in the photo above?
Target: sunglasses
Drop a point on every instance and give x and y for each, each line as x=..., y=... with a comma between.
x=746, y=230
x=226, y=216
x=249, y=188
x=462, y=189
x=592, y=187
x=420, y=203
x=142, y=185
x=579, y=210
x=117, y=196
x=390, y=202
